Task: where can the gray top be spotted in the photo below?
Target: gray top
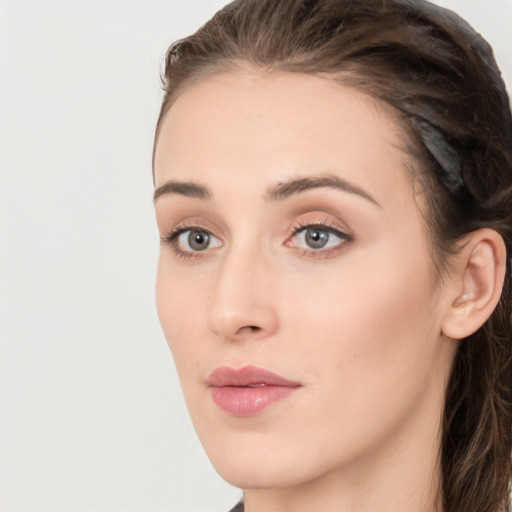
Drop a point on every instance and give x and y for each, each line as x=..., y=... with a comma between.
x=238, y=508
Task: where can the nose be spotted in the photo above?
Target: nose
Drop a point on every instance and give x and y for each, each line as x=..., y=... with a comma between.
x=242, y=303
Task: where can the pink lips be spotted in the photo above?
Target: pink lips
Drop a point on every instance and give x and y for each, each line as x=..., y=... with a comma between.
x=248, y=390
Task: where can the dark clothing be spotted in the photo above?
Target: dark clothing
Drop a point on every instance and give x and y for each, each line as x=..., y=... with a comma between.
x=238, y=508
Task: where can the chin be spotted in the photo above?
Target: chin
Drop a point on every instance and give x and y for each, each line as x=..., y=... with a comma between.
x=245, y=475
x=261, y=467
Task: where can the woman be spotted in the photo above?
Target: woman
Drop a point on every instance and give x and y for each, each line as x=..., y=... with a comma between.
x=333, y=187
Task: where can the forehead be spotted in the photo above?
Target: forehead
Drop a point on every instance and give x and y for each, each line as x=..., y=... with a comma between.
x=267, y=126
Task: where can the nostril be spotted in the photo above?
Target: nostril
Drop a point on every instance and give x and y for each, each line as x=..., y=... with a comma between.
x=248, y=330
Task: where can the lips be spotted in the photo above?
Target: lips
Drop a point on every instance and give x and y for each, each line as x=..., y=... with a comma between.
x=249, y=390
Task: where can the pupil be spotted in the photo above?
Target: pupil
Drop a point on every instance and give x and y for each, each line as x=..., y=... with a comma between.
x=198, y=240
x=316, y=238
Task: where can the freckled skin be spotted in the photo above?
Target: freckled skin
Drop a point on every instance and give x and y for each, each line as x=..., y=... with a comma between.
x=357, y=324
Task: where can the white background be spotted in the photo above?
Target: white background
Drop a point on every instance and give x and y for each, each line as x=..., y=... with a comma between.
x=91, y=416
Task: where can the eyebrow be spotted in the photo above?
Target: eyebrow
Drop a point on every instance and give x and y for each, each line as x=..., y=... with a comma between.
x=181, y=188
x=278, y=192
x=296, y=186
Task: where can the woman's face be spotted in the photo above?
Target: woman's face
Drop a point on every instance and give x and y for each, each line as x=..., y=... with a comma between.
x=295, y=284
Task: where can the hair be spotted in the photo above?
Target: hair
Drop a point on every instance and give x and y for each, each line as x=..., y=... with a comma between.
x=441, y=78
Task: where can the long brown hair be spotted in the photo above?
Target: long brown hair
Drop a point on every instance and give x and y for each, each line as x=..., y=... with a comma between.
x=441, y=78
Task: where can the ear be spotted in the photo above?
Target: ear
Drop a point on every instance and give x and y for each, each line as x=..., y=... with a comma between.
x=476, y=284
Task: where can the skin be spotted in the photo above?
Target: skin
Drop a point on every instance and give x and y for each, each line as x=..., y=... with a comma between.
x=358, y=324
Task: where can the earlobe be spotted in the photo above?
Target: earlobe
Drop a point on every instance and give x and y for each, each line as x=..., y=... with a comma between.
x=477, y=283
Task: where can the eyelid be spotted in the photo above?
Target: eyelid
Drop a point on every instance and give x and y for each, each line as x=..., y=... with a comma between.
x=188, y=223
x=172, y=240
x=310, y=221
x=322, y=225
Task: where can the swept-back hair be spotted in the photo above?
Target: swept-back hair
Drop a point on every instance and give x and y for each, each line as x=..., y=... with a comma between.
x=442, y=80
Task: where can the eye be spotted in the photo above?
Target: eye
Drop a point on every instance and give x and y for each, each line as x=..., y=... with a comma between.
x=194, y=240
x=187, y=241
x=317, y=239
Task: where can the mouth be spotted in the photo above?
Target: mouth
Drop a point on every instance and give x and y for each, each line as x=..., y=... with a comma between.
x=249, y=390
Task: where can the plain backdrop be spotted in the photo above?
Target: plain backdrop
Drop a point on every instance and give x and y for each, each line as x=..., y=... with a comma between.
x=91, y=415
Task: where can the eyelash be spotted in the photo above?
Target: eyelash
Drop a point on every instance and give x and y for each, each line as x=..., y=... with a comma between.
x=172, y=239
x=321, y=226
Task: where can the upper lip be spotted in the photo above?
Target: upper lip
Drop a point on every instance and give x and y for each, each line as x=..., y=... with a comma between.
x=247, y=376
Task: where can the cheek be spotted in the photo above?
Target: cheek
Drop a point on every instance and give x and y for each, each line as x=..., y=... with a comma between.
x=368, y=345
x=370, y=318
x=179, y=311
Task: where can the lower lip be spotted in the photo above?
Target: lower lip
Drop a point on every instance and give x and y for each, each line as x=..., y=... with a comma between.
x=248, y=401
